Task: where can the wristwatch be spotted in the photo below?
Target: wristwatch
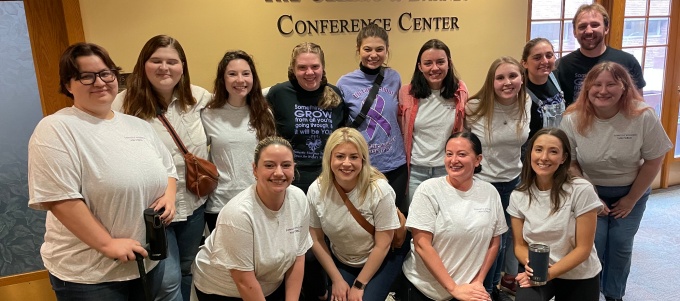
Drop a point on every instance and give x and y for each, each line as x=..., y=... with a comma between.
x=358, y=285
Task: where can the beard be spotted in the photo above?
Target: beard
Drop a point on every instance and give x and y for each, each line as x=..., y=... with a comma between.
x=595, y=42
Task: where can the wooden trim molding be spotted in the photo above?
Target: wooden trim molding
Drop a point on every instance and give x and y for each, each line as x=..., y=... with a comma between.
x=53, y=25
x=25, y=277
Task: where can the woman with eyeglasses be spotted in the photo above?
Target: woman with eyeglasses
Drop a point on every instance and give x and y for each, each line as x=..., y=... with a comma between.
x=95, y=171
x=160, y=83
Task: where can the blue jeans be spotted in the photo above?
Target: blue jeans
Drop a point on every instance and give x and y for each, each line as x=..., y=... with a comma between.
x=184, y=239
x=130, y=290
x=614, y=240
x=493, y=277
x=379, y=286
x=421, y=173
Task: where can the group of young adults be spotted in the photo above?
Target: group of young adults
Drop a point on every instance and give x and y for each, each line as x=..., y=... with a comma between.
x=311, y=174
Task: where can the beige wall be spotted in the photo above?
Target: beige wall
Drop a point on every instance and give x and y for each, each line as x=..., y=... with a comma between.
x=207, y=28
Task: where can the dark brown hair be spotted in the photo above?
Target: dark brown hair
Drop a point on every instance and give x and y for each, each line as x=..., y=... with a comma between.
x=68, y=67
x=420, y=88
x=261, y=118
x=561, y=175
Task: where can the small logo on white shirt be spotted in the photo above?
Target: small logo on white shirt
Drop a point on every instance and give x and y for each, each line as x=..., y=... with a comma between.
x=482, y=210
x=135, y=138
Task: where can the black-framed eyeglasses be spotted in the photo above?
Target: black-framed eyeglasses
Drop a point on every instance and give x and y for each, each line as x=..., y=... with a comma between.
x=88, y=78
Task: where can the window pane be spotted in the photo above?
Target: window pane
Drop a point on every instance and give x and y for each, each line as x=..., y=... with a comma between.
x=546, y=9
x=569, y=43
x=570, y=7
x=633, y=32
x=636, y=8
x=657, y=34
x=655, y=63
x=636, y=52
x=659, y=8
x=547, y=29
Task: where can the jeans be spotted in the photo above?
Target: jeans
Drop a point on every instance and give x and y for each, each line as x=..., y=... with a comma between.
x=493, y=277
x=614, y=240
x=379, y=286
x=421, y=173
x=130, y=290
x=184, y=239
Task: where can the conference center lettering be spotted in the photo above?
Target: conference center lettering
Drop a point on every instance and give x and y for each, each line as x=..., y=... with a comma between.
x=287, y=25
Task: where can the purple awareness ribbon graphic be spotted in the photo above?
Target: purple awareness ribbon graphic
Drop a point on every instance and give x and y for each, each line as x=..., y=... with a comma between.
x=377, y=118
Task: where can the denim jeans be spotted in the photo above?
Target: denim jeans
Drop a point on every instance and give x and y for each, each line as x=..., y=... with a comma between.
x=493, y=277
x=614, y=240
x=130, y=290
x=379, y=286
x=184, y=239
x=421, y=173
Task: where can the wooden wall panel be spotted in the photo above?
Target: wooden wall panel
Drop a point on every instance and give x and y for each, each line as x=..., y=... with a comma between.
x=52, y=26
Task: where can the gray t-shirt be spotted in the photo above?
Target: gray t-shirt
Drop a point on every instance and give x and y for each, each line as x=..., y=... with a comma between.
x=462, y=223
x=431, y=129
x=612, y=151
x=118, y=167
x=350, y=243
x=232, y=145
x=559, y=229
x=502, y=162
x=251, y=237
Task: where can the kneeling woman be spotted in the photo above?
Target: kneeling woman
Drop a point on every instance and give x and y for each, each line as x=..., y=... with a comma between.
x=257, y=249
x=358, y=258
x=553, y=208
x=456, y=221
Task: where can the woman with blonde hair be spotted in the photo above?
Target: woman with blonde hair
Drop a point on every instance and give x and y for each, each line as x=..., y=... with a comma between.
x=619, y=145
x=160, y=84
x=307, y=109
x=355, y=257
x=499, y=115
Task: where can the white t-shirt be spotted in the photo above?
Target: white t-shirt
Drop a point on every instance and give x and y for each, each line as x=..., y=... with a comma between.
x=350, y=243
x=251, y=237
x=232, y=145
x=502, y=162
x=612, y=152
x=118, y=167
x=462, y=223
x=189, y=128
x=559, y=229
x=431, y=129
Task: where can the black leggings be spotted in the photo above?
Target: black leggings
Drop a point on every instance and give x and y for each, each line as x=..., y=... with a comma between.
x=562, y=290
x=398, y=179
x=278, y=295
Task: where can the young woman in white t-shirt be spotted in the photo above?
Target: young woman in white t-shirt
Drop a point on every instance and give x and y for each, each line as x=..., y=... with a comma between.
x=499, y=115
x=554, y=208
x=360, y=265
x=235, y=119
x=456, y=221
x=257, y=250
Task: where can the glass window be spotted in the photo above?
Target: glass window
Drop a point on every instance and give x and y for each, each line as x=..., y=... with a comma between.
x=551, y=19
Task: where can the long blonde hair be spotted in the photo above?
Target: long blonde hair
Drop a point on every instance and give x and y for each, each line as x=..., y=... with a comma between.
x=487, y=96
x=368, y=175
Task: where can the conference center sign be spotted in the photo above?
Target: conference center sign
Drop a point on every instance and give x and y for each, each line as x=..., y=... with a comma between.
x=287, y=24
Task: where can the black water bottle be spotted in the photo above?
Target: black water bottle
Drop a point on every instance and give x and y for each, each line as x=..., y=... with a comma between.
x=155, y=234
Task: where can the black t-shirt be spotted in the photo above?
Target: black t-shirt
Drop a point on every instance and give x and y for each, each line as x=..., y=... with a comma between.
x=573, y=67
x=306, y=126
x=548, y=94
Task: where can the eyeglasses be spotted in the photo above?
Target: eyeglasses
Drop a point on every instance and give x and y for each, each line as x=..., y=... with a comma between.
x=88, y=78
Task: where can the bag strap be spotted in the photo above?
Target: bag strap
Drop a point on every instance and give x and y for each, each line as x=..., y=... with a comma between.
x=353, y=210
x=369, y=99
x=173, y=134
